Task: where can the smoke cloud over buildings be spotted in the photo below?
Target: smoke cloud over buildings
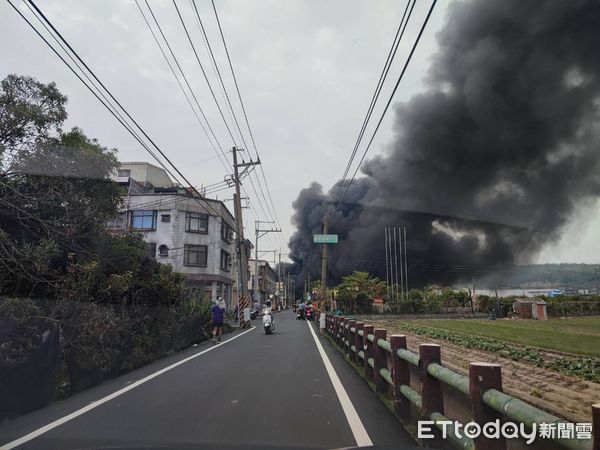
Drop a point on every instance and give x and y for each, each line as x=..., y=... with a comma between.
x=489, y=164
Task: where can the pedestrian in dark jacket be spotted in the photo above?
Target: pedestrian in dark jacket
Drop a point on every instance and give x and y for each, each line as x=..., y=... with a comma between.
x=218, y=318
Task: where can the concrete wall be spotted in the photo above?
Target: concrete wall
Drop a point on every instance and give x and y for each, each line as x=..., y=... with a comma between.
x=143, y=172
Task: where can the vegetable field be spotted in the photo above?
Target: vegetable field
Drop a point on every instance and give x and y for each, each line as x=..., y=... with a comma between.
x=534, y=363
x=533, y=342
x=570, y=335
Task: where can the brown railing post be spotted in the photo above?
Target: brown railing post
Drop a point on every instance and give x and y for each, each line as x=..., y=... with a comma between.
x=336, y=327
x=484, y=376
x=351, y=340
x=345, y=335
x=381, y=385
x=596, y=426
x=432, y=399
x=400, y=375
x=358, y=341
x=368, y=329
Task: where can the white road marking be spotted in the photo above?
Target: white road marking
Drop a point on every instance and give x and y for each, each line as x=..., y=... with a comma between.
x=358, y=430
x=89, y=407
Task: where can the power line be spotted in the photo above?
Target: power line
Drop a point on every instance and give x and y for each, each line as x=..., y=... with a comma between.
x=226, y=164
x=91, y=72
x=185, y=79
x=382, y=77
x=214, y=96
x=391, y=97
x=110, y=108
x=214, y=61
x=189, y=38
x=245, y=115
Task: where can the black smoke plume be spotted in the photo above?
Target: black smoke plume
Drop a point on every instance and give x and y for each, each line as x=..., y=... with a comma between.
x=490, y=163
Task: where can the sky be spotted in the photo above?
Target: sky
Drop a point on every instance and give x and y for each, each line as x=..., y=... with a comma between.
x=306, y=71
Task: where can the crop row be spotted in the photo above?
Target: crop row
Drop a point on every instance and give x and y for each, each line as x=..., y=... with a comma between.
x=583, y=367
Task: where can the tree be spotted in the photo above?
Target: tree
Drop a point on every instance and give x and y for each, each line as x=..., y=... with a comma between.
x=357, y=290
x=54, y=205
x=30, y=112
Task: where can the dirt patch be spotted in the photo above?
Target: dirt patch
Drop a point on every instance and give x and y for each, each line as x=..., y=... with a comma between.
x=563, y=396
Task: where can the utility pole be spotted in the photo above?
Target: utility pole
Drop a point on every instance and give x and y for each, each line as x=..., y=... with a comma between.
x=324, y=261
x=289, y=292
x=258, y=235
x=472, y=296
x=279, y=278
x=387, y=278
x=240, y=243
x=405, y=265
x=304, y=295
x=396, y=258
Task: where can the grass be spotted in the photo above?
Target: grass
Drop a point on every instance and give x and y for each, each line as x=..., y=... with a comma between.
x=571, y=335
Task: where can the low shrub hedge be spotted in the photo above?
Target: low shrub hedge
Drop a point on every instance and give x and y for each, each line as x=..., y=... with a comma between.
x=54, y=349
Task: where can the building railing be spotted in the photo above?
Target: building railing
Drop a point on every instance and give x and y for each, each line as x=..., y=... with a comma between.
x=387, y=364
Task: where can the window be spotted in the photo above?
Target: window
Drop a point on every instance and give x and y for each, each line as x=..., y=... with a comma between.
x=165, y=217
x=124, y=173
x=143, y=220
x=196, y=222
x=151, y=249
x=226, y=232
x=163, y=250
x=195, y=255
x=225, y=261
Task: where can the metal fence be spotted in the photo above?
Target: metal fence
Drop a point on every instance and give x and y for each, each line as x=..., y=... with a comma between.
x=387, y=364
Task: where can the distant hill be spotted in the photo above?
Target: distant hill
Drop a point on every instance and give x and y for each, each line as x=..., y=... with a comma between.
x=544, y=275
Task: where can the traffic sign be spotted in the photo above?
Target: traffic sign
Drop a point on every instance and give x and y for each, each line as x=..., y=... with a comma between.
x=325, y=238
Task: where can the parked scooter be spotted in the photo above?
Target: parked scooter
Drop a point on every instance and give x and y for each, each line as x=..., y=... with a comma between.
x=268, y=323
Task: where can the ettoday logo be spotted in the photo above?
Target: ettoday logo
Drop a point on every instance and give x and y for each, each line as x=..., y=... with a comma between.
x=507, y=430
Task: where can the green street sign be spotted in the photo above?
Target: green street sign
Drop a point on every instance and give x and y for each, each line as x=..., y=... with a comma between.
x=325, y=238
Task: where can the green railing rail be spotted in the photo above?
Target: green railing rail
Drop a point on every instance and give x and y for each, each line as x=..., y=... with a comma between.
x=460, y=442
x=387, y=363
x=451, y=378
x=382, y=343
x=412, y=395
x=387, y=376
x=408, y=356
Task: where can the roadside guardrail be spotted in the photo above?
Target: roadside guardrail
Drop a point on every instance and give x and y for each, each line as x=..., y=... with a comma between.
x=387, y=364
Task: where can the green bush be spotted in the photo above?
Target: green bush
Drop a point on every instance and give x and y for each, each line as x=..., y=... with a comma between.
x=567, y=307
x=98, y=340
x=20, y=331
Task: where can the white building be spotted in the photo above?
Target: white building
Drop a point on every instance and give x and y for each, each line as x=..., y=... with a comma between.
x=195, y=235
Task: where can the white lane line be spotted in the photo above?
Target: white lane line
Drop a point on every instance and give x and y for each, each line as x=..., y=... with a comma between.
x=79, y=412
x=358, y=430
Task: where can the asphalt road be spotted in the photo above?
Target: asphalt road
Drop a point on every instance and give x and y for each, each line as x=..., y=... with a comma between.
x=252, y=391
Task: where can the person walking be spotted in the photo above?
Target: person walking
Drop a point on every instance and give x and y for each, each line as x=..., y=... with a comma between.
x=218, y=318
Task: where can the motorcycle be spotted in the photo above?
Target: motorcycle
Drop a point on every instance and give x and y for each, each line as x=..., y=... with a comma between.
x=268, y=323
x=309, y=314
